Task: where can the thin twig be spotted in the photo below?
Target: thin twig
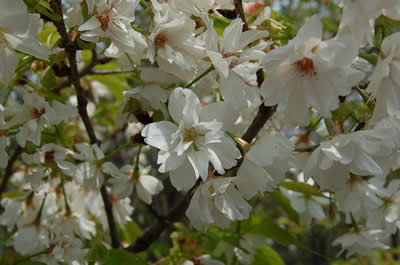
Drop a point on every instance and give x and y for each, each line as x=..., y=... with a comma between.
x=89, y=69
x=74, y=77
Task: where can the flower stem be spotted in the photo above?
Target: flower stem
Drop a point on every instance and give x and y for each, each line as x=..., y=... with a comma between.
x=364, y=96
x=116, y=151
x=209, y=69
x=29, y=257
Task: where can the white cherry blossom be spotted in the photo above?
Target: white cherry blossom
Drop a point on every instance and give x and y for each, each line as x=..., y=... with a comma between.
x=228, y=51
x=125, y=179
x=197, y=138
x=112, y=20
x=362, y=242
x=363, y=153
x=218, y=202
x=18, y=30
x=300, y=74
x=265, y=165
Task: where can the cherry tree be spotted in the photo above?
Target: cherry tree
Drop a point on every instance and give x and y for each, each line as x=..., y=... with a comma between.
x=199, y=132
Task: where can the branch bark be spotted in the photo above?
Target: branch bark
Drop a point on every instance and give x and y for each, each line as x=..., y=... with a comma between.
x=264, y=113
x=74, y=78
x=89, y=69
x=9, y=169
x=153, y=232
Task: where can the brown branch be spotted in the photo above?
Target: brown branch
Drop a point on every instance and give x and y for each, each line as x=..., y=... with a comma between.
x=240, y=13
x=87, y=70
x=153, y=232
x=74, y=78
x=9, y=169
x=264, y=113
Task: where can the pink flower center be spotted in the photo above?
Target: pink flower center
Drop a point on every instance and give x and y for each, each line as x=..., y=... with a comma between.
x=305, y=66
x=104, y=19
x=160, y=40
x=49, y=156
x=36, y=113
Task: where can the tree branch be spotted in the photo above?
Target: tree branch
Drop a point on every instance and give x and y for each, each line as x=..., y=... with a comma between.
x=85, y=71
x=74, y=78
x=153, y=232
x=264, y=113
x=240, y=13
x=9, y=169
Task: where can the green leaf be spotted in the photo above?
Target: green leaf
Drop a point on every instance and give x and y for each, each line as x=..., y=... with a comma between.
x=97, y=252
x=348, y=109
x=220, y=23
x=302, y=188
x=231, y=237
x=12, y=194
x=267, y=256
x=285, y=204
x=48, y=79
x=122, y=257
x=49, y=35
x=115, y=83
x=265, y=226
x=132, y=232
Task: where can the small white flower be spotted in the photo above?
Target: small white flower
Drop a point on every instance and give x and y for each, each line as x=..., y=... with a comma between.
x=385, y=82
x=308, y=207
x=265, y=165
x=203, y=260
x=300, y=74
x=112, y=20
x=18, y=30
x=176, y=47
x=358, y=19
x=218, y=202
x=186, y=150
x=88, y=173
x=363, y=153
x=125, y=179
x=226, y=52
x=362, y=242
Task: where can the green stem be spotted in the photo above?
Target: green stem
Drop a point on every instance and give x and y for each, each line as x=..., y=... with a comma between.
x=10, y=88
x=67, y=208
x=30, y=256
x=312, y=127
x=209, y=69
x=364, y=96
x=116, y=151
x=218, y=96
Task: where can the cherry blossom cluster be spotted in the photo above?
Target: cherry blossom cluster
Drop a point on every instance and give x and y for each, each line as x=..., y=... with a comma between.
x=202, y=88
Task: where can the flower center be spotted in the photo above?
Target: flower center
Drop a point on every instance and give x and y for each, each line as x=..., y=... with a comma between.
x=306, y=66
x=104, y=19
x=190, y=134
x=36, y=113
x=49, y=156
x=160, y=40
